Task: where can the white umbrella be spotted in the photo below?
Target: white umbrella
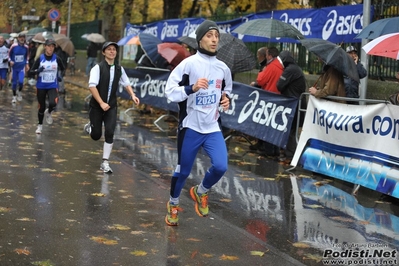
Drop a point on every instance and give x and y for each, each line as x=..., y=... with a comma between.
x=95, y=37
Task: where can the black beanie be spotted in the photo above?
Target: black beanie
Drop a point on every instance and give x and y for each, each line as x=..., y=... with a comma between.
x=204, y=27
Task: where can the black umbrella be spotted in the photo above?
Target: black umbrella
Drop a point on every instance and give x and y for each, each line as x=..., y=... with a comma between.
x=149, y=44
x=232, y=51
x=190, y=41
x=332, y=55
x=235, y=54
x=269, y=28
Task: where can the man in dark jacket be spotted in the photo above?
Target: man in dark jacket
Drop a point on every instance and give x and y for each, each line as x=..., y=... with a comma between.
x=352, y=86
x=91, y=52
x=262, y=60
x=292, y=83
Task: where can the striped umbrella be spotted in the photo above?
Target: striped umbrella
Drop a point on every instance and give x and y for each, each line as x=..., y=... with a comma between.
x=386, y=45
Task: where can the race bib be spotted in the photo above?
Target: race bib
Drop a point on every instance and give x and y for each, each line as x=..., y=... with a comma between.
x=205, y=100
x=48, y=77
x=19, y=58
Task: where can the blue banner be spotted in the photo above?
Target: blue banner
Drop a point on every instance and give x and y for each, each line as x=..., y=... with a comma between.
x=257, y=113
x=338, y=24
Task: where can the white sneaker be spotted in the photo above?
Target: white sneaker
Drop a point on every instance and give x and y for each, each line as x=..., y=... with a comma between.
x=14, y=99
x=105, y=167
x=87, y=128
x=49, y=118
x=19, y=96
x=39, y=129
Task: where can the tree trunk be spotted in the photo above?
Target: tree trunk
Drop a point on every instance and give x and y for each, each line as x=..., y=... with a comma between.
x=171, y=8
x=262, y=5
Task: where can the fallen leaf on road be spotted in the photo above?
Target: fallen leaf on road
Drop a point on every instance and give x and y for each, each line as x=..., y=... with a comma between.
x=4, y=209
x=226, y=257
x=103, y=240
x=43, y=263
x=248, y=178
x=193, y=254
x=194, y=239
x=269, y=178
x=300, y=245
x=5, y=190
x=20, y=251
x=147, y=225
x=312, y=257
x=257, y=253
x=137, y=232
x=138, y=253
x=27, y=196
x=225, y=200
x=98, y=194
x=342, y=219
x=25, y=219
x=119, y=227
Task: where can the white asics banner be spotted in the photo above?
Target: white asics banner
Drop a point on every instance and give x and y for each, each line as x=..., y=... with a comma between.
x=355, y=143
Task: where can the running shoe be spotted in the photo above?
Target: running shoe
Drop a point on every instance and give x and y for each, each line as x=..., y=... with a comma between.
x=201, y=202
x=19, y=96
x=14, y=99
x=39, y=129
x=172, y=217
x=105, y=167
x=87, y=128
x=49, y=118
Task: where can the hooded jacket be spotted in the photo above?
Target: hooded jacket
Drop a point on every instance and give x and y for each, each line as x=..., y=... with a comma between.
x=292, y=81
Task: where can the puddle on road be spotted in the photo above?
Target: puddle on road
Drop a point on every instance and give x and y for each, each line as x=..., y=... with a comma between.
x=299, y=213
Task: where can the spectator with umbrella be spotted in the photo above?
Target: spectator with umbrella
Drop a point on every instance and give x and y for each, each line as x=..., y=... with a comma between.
x=261, y=56
x=267, y=79
x=292, y=83
x=330, y=83
x=337, y=64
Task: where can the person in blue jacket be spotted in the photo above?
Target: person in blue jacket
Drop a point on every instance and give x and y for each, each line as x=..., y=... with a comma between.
x=46, y=68
x=19, y=63
x=200, y=84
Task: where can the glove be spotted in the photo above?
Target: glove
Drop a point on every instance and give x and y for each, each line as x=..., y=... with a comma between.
x=40, y=69
x=59, y=78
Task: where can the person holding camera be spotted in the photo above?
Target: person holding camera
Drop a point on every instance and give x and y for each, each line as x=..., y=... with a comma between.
x=351, y=85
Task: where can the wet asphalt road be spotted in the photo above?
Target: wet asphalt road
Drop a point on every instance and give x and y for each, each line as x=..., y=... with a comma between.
x=58, y=208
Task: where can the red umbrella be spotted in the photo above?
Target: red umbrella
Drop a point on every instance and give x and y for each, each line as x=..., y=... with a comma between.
x=385, y=45
x=174, y=53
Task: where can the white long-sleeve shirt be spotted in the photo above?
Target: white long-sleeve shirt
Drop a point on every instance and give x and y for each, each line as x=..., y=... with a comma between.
x=203, y=105
x=3, y=55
